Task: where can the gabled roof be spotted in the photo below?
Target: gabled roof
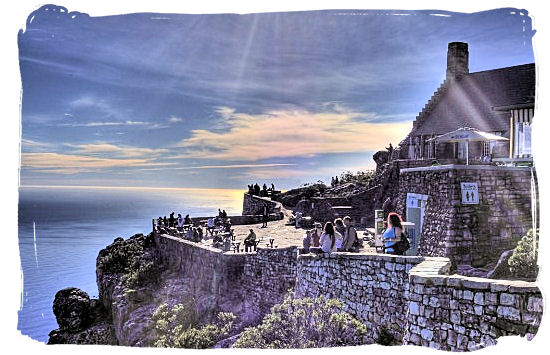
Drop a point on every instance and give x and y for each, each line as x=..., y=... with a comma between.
x=471, y=101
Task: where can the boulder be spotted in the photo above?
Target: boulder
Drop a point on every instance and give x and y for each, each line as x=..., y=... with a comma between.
x=71, y=307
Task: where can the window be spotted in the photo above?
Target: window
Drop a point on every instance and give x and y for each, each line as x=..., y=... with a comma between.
x=462, y=146
x=488, y=146
x=522, y=146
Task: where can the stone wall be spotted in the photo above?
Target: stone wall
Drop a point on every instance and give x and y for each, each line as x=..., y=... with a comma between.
x=253, y=205
x=211, y=270
x=415, y=300
x=373, y=288
x=317, y=208
x=248, y=284
x=410, y=297
x=460, y=313
x=469, y=234
x=269, y=274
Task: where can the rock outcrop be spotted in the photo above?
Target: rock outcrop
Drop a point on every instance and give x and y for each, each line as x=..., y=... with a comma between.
x=81, y=320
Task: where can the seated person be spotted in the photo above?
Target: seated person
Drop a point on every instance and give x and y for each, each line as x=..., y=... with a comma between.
x=315, y=234
x=196, y=238
x=210, y=226
x=189, y=234
x=250, y=240
x=227, y=227
x=306, y=242
x=187, y=220
x=298, y=219
x=180, y=222
x=199, y=231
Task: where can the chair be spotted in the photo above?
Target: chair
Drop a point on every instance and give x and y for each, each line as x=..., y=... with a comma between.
x=236, y=247
x=379, y=243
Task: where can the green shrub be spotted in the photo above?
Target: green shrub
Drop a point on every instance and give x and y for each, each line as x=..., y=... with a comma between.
x=360, y=177
x=523, y=262
x=178, y=327
x=304, y=323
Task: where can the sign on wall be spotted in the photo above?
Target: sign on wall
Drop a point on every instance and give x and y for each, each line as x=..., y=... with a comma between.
x=470, y=194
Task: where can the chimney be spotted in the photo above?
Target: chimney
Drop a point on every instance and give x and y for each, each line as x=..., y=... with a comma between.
x=457, y=60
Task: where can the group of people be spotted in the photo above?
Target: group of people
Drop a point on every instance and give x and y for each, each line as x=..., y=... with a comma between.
x=333, y=237
x=263, y=192
x=341, y=236
x=174, y=222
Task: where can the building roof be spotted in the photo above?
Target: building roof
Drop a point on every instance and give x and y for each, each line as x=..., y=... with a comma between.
x=473, y=101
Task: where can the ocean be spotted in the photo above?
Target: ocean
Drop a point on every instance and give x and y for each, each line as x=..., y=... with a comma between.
x=62, y=229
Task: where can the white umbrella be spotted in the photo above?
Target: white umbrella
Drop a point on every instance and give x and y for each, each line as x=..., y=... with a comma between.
x=467, y=134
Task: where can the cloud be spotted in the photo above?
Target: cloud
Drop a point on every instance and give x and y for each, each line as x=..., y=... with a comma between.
x=116, y=150
x=229, y=166
x=33, y=145
x=292, y=133
x=100, y=124
x=174, y=119
x=71, y=164
x=273, y=174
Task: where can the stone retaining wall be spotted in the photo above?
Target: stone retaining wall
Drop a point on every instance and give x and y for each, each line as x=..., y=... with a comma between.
x=253, y=205
x=211, y=270
x=470, y=234
x=415, y=300
x=460, y=313
x=410, y=297
x=269, y=274
x=248, y=284
x=373, y=288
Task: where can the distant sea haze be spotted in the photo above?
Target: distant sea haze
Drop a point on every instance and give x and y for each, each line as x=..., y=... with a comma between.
x=72, y=224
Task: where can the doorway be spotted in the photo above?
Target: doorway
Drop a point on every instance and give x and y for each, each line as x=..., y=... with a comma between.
x=416, y=207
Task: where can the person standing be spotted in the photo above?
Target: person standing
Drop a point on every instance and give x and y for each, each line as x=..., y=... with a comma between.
x=350, y=235
x=339, y=227
x=265, y=215
x=180, y=221
x=172, y=220
x=187, y=220
x=392, y=234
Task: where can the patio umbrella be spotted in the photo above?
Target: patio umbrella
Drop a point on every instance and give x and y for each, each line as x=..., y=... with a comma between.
x=467, y=134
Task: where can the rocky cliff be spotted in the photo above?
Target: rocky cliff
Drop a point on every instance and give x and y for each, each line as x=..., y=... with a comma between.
x=131, y=286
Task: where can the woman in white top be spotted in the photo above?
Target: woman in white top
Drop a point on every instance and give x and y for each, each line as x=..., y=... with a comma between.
x=329, y=238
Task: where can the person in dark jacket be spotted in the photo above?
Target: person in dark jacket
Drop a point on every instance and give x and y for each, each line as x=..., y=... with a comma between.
x=172, y=220
x=265, y=216
x=250, y=241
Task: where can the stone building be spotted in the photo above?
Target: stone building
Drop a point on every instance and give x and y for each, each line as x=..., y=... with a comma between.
x=499, y=101
x=469, y=213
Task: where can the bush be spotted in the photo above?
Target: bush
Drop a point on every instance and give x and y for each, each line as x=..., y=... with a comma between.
x=178, y=327
x=304, y=323
x=360, y=177
x=523, y=262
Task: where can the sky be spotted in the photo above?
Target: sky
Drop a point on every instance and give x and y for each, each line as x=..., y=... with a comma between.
x=224, y=100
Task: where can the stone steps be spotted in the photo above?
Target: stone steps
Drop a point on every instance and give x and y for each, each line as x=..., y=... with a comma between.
x=342, y=211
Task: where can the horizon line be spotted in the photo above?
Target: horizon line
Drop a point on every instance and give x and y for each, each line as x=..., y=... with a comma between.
x=128, y=187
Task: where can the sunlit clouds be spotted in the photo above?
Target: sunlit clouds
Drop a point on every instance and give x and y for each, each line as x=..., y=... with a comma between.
x=223, y=100
x=292, y=133
x=116, y=151
x=70, y=164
